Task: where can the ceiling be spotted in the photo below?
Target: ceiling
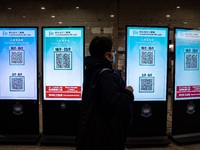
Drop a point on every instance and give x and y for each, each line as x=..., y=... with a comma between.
x=142, y=12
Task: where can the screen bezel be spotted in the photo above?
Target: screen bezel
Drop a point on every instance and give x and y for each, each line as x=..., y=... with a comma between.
x=174, y=58
x=126, y=45
x=42, y=55
x=36, y=61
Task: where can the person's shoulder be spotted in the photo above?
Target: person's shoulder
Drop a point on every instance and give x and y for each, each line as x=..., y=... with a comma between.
x=107, y=73
x=105, y=70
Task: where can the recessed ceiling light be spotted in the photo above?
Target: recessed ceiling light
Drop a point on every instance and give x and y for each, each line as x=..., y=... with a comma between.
x=53, y=16
x=167, y=16
x=112, y=16
x=60, y=22
x=24, y=16
x=9, y=8
x=178, y=7
x=42, y=8
x=77, y=7
x=185, y=22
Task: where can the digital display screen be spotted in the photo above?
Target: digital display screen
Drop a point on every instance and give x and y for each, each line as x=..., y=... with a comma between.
x=18, y=63
x=146, y=62
x=187, y=72
x=63, y=54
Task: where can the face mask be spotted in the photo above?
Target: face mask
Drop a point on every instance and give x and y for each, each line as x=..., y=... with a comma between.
x=113, y=58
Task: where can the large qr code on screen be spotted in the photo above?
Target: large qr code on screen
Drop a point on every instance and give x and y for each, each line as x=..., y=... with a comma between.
x=147, y=57
x=63, y=60
x=17, y=83
x=146, y=84
x=191, y=61
x=16, y=57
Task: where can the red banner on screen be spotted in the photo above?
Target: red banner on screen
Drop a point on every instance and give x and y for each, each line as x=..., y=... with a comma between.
x=188, y=91
x=63, y=91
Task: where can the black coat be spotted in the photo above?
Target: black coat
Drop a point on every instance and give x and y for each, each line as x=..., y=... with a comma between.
x=105, y=111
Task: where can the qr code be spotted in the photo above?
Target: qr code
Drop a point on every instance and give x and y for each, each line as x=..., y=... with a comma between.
x=16, y=57
x=17, y=83
x=146, y=84
x=191, y=61
x=147, y=58
x=63, y=60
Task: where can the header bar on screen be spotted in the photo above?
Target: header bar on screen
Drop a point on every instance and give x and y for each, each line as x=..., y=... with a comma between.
x=63, y=33
x=191, y=35
x=17, y=33
x=152, y=33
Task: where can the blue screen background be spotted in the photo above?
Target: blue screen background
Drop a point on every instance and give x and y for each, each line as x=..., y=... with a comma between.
x=185, y=77
x=159, y=70
x=52, y=77
x=28, y=70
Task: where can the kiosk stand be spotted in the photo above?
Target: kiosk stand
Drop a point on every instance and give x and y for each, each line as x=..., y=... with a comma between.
x=63, y=64
x=60, y=120
x=149, y=125
x=19, y=122
x=186, y=99
x=146, y=71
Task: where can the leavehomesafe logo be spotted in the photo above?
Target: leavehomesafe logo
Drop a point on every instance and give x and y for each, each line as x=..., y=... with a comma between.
x=191, y=35
x=24, y=33
x=146, y=111
x=145, y=32
x=5, y=33
x=135, y=32
x=190, y=108
x=17, y=109
x=63, y=33
x=148, y=32
x=60, y=33
x=63, y=105
x=51, y=33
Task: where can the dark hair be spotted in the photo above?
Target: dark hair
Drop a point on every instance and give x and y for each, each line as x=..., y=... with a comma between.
x=100, y=45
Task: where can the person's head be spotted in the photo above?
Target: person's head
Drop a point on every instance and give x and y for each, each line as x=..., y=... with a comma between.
x=102, y=47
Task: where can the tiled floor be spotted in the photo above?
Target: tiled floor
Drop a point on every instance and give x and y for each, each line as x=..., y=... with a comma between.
x=37, y=147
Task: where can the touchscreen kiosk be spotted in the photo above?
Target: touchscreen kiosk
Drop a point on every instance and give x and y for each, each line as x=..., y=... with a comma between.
x=146, y=72
x=63, y=63
x=186, y=95
x=147, y=58
x=19, y=110
x=63, y=67
x=187, y=72
x=18, y=64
